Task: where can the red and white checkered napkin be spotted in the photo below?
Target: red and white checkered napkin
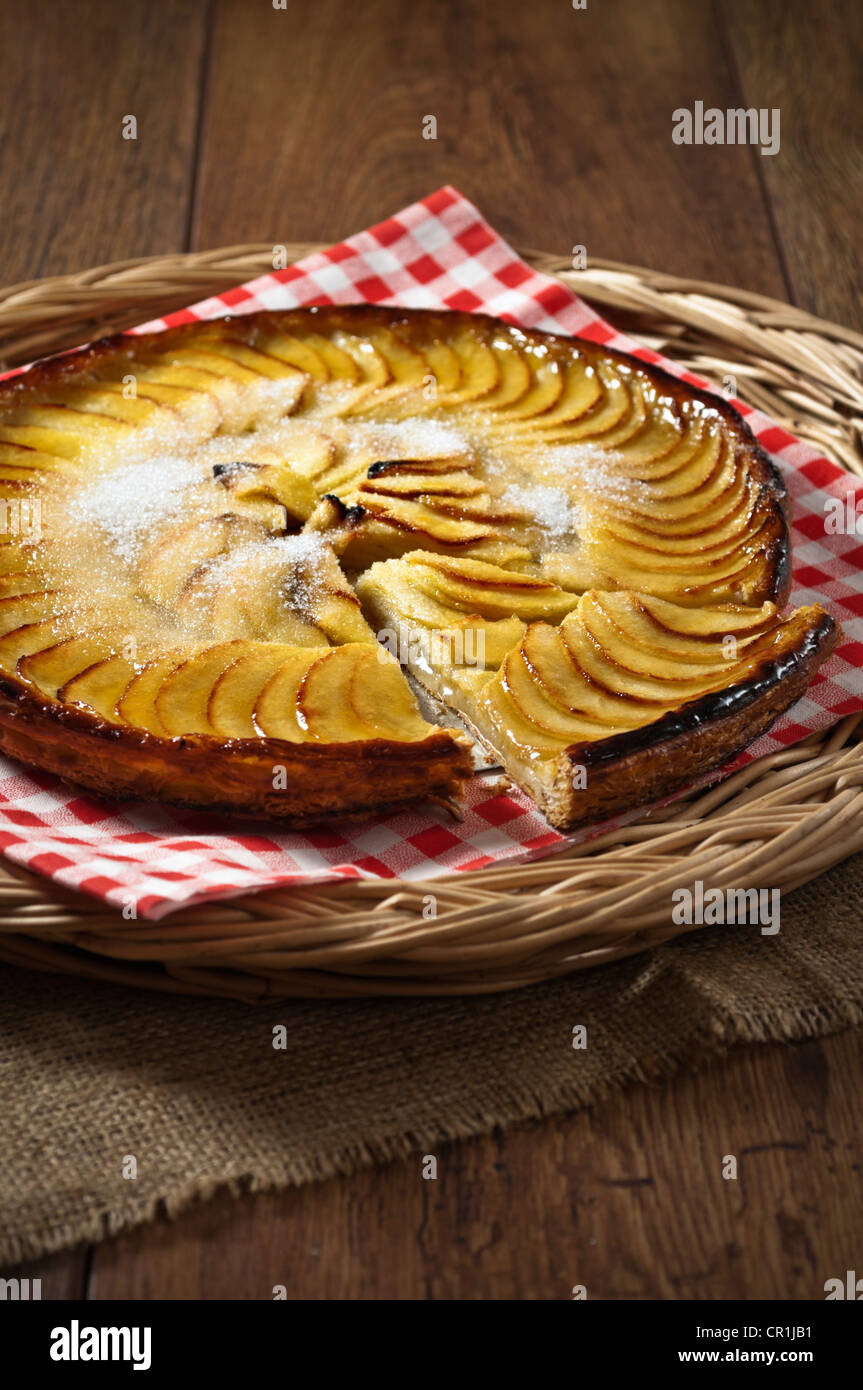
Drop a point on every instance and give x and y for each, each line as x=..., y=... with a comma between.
x=439, y=253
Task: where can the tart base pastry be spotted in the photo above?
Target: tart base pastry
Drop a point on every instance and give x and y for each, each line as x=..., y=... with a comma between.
x=225, y=544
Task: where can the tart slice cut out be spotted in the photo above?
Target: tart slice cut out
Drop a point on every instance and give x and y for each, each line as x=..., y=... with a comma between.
x=621, y=701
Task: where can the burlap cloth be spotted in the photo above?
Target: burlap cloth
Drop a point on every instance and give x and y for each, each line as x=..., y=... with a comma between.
x=196, y=1092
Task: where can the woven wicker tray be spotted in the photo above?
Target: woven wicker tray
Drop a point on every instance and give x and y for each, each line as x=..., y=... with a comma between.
x=777, y=823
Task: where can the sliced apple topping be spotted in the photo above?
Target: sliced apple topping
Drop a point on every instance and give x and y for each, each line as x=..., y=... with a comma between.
x=348, y=694
x=182, y=700
x=179, y=554
x=288, y=589
x=238, y=687
x=436, y=612
x=136, y=704
x=621, y=660
x=99, y=687
x=51, y=667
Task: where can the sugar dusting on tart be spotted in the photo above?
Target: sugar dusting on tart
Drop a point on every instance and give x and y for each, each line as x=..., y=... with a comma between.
x=128, y=504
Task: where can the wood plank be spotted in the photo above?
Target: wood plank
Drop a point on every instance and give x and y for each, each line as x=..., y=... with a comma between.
x=806, y=60
x=63, y=1276
x=557, y=126
x=75, y=193
x=560, y=129
x=628, y=1200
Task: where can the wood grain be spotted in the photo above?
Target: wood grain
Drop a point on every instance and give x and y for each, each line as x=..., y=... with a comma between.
x=805, y=59
x=556, y=122
x=628, y=1200
x=75, y=192
x=257, y=124
x=63, y=1276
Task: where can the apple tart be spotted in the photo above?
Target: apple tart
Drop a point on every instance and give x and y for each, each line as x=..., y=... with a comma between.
x=233, y=550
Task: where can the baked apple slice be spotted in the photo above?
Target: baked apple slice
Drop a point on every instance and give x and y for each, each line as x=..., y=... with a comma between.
x=288, y=589
x=237, y=689
x=177, y=553
x=136, y=703
x=51, y=667
x=182, y=700
x=99, y=687
x=495, y=592
x=479, y=374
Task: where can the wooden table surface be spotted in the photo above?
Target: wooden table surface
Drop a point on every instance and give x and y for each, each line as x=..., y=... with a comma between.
x=262, y=124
